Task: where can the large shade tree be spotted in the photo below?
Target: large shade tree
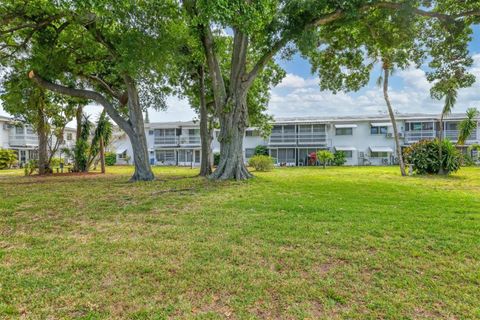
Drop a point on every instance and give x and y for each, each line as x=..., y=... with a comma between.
x=264, y=28
x=115, y=53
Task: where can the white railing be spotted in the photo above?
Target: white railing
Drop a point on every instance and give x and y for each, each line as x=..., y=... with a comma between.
x=279, y=138
x=190, y=139
x=413, y=136
x=166, y=140
x=312, y=138
x=23, y=139
x=453, y=135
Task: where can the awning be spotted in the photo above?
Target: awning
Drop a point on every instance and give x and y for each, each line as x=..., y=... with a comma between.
x=345, y=126
x=345, y=148
x=381, y=124
x=381, y=149
x=122, y=151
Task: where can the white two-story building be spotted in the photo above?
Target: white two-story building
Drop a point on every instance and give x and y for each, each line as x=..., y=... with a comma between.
x=366, y=140
x=24, y=140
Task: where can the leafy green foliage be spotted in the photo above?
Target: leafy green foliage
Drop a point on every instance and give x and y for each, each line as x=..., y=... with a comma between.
x=339, y=158
x=30, y=167
x=110, y=158
x=216, y=158
x=325, y=157
x=7, y=158
x=261, y=150
x=261, y=163
x=425, y=158
x=81, y=147
x=468, y=125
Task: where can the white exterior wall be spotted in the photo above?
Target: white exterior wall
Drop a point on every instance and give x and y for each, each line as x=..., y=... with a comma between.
x=4, y=135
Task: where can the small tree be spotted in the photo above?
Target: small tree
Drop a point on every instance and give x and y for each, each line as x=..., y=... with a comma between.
x=325, y=157
x=467, y=126
x=7, y=158
x=261, y=150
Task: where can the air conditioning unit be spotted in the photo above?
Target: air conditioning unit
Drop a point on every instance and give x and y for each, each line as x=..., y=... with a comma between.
x=390, y=135
x=361, y=155
x=400, y=135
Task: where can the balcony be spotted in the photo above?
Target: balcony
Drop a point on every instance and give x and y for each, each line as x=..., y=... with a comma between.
x=166, y=140
x=316, y=138
x=190, y=139
x=23, y=140
x=283, y=138
x=452, y=135
x=415, y=136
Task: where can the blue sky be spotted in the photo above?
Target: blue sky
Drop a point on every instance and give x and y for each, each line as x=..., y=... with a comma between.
x=299, y=94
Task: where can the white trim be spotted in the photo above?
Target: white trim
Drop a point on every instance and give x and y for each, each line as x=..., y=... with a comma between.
x=339, y=126
x=345, y=148
x=381, y=124
x=381, y=149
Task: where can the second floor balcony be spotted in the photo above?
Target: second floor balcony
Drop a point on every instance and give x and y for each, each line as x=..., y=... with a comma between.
x=190, y=139
x=19, y=140
x=417, y=135
x=452, y=135
x=166, y=140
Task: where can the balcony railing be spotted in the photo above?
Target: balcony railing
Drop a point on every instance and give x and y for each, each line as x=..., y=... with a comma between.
x=453, y=135
x=312, y=138
x=286, y=138
x=414, y=136
x=23, y=140
x=166, y=140
x=190, y=139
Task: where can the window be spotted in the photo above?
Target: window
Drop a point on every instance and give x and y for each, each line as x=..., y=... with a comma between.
x=122, y=155
x=348, y=153
x=344, y=131
x=378, y=130
x=418, y=126
x=284, y=155
x=185, y=156
x=252, y=133
x=379, y=154
x=193, y=132
x=150, y=132
x=249, y=152
x=165, y=155
x=30, y=130
x=69, y=136
x=19, y=130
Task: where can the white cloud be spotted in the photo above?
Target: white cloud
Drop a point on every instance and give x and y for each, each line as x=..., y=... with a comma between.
x=297, y=96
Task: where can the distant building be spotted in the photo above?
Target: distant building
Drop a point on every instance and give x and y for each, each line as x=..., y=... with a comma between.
x=23, y=139
x=366, y=140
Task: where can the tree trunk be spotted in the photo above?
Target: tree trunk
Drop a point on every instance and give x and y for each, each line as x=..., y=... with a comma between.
x=205, y=132
x=232, y=130
x=143, y=170
x=78, y=118
x=393, y=120
x=440, y=145
x=102, y=155
x=42, y=140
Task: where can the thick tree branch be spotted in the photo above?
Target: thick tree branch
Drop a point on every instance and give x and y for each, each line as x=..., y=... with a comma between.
x=85, y=94
x=239, y=59
x=218, y=84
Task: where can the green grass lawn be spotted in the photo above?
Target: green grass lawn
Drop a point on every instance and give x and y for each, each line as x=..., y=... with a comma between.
x=295, y=243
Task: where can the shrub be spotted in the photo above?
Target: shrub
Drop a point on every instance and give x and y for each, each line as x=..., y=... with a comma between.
x=424, y=156
x=110, y=158
x=56, y=162
x=216, y=158
x=261, y=163
x=261, y=150
x=7, y=158
x=30, y=167
x=325, y=157
x=339, y=158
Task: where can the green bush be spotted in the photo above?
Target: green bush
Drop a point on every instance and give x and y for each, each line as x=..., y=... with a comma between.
x=56, y=162
x=325, y=157
x=110, y=158
x=339, y=158
x=424, y=156
x=261, y=163
x=261, y=150
x=216, y=158
x=30, y=167
x=7, y=158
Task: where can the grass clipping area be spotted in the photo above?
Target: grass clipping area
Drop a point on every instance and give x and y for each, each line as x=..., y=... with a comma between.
x=294, y=243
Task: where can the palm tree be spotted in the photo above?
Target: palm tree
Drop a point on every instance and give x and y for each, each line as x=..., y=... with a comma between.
x=468, y=125
x=450, y=99
x=101, y=138
x=386, y=73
